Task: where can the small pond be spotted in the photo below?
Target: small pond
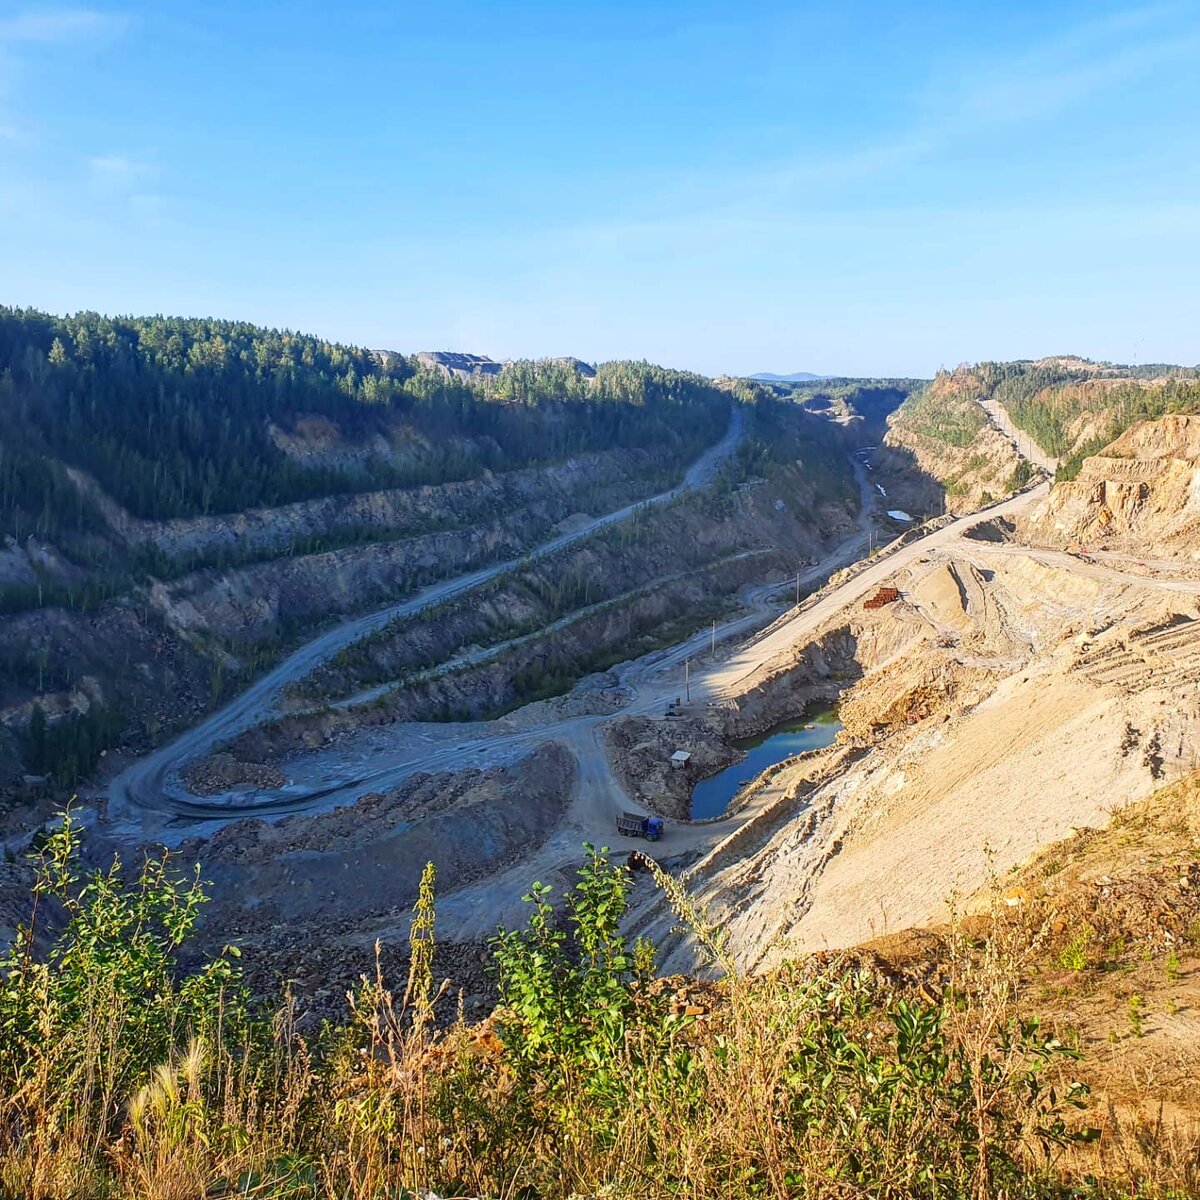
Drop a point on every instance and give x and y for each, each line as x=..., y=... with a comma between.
x=711, y=796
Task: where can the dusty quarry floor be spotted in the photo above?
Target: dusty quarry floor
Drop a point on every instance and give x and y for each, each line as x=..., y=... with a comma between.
x=1014, y=693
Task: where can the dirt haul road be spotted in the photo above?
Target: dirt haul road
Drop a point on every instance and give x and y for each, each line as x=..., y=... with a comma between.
x=339, y=777
x=151, y=785
x=148, y=783
x=1026, y=446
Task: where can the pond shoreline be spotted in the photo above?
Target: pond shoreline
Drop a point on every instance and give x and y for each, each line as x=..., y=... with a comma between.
x=814, y=730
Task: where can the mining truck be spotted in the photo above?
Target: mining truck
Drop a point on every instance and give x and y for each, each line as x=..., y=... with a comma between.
x=635, y=825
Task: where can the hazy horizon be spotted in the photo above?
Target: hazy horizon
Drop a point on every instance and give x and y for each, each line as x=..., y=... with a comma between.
x=847, y=189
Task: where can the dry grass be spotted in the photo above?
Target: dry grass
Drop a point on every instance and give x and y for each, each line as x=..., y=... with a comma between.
x=828, y=1078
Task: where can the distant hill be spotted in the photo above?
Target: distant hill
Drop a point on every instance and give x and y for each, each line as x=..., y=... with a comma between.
x=794, y=377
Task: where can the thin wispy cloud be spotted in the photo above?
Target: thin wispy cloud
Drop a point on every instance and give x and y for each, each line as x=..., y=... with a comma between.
x=126, y=181
x=1091, y=58
x=52, y=26
x=119, y=173
x=31, y=35
x=1045, y=80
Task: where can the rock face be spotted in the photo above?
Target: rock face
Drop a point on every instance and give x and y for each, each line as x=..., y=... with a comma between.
x=264, y=532
x=458, y=366
x=941, y=454
x=1002, y=703
x=468, y=366
x=1141, y=495
x=642, y=749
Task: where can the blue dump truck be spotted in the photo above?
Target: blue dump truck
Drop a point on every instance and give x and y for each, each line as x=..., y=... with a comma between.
x=635, y=825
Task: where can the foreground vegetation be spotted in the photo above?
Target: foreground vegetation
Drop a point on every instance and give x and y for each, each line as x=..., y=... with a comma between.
x=122, y=1075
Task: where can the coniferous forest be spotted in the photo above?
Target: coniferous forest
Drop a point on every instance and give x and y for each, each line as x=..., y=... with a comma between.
x=175, y=417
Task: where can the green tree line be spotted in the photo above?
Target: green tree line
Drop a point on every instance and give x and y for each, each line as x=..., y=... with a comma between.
x=173, y=416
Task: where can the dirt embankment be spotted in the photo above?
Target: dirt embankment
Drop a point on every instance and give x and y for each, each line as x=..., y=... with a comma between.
x=1140, y=495
x=747, y=534
x=923, y=475
x=941, y=454
x=531, y=669
x=641, y=748
x=393, y=512
x=753, y=522
x=310, y=893
x=818, y=671
x=1000, y=706
x=1101, y=936
x=221, y=772
x=640, y=751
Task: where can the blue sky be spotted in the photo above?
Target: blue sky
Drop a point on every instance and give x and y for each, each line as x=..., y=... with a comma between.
x=871, y=188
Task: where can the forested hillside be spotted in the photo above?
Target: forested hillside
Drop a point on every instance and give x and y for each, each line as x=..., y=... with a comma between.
x=1073, y=407
x=181, y=499
x=871, y=400
x=173, y=416
x=184, y=417
x=1070, y=406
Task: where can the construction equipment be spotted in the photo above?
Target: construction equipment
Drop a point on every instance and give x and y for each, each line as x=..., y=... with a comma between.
x=635, y=825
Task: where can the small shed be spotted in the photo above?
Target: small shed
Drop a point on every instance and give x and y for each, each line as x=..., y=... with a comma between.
x=680, y=759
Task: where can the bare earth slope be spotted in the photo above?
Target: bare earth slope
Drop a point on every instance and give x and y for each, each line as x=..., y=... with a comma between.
x=1011, y=696
x=1140, y=495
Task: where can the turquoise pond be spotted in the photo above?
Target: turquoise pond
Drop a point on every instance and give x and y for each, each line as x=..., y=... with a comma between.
x=711, y=796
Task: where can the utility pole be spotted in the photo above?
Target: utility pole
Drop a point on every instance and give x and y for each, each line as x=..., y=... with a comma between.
x=687, y=679
x=714, y=638
x=797, y=589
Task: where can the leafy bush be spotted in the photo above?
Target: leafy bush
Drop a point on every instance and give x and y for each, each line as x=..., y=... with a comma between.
x=83, y=1025
x=123, y=1076
x=569, y=1004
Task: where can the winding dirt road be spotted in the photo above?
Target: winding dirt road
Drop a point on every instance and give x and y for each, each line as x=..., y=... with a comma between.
x=148, y=783
x=151, y=785
x=339, y=777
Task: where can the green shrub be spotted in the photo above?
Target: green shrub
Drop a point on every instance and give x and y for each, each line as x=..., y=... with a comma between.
x=1074, y=955
x=569, y=1006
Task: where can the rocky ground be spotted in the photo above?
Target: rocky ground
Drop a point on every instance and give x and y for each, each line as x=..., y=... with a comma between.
x=641, y=750
x=301, y=896
x=220, y=772
x=1137, y=497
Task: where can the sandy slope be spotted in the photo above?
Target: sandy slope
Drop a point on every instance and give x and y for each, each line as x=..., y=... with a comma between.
x=1013, y=695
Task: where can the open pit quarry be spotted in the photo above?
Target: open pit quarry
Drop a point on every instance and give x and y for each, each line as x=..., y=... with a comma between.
x=1003, y=678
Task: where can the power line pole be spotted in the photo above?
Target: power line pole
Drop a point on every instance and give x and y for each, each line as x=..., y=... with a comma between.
x=687, y=679
x=797, y=588
x=714, y=638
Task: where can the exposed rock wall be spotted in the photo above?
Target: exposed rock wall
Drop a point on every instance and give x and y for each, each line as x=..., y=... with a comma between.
x=391, y=512
x=1140, y=495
